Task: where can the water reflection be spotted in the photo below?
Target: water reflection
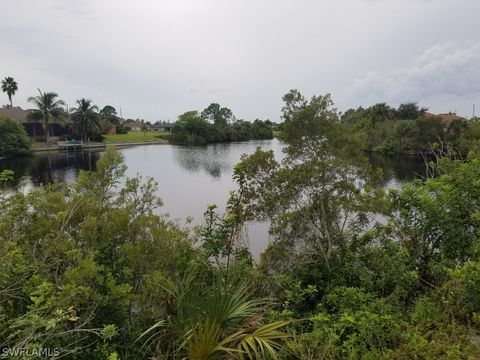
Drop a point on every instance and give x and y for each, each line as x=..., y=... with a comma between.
x=47, y=168
x=213, y=161
x=217, y=160
x=397, y=169
x=189, y=178
x=208, y=159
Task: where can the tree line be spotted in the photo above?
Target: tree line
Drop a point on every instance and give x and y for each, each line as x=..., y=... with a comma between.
x=408, y=129
x=217, y=124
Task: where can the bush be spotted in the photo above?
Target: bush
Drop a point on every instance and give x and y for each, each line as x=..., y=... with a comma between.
x=121, y=129
x=14, y=140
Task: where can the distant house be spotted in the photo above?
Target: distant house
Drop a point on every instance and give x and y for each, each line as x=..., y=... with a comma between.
x=162, y=126
x=112, y=131
x=34, y=128
x=137, y=125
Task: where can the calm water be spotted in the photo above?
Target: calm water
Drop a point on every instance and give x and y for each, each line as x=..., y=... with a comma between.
x=189, y=178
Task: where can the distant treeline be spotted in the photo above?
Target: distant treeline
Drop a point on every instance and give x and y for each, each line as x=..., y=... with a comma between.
x=409, y=129
x=217, y=124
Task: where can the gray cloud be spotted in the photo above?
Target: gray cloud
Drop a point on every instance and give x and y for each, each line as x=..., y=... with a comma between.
x=159, y=58
x=444, y=69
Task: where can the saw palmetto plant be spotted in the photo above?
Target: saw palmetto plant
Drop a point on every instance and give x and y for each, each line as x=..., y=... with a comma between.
x=214, y=323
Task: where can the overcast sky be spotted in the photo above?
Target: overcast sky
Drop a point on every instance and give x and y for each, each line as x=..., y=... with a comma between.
x=158, y=58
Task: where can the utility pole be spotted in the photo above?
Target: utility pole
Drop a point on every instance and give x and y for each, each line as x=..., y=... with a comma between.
x=473, y=113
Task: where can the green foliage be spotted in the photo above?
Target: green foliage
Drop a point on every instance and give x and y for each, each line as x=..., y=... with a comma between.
x=306, y=119
x=122, y=129
x=78, y=263
x=217, y=115
x=86, y=120
x=216, y=322
x=408, y=130
x=410, y=111
x=217, y=124
x=109, y=114
x=404, y=288
x=358, y=330
x=351, y=272
x=48, y=110
x=14, y=140
x=191, y=128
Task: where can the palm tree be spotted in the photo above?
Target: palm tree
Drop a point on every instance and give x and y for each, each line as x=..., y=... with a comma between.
x=85, y=118
x=48, y=109
x=9, y=86
x=215, y=323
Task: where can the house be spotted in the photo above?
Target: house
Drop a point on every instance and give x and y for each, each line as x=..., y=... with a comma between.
x=137, y=125
x=112, y=131
x=162, y=126
x=34, y=128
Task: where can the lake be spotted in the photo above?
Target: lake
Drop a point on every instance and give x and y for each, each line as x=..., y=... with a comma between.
x=189, y=178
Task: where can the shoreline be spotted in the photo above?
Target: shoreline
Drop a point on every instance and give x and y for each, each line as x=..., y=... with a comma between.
x=94, y=146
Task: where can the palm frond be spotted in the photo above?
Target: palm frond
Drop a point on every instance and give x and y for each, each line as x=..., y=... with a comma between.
x=231, y=309
x=204, y=341
x=217, y=322
x=264, y=341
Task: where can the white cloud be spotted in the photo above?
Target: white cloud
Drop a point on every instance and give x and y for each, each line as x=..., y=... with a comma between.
x=449, y=69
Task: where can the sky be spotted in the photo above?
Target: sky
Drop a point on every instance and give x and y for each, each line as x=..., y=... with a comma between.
x=156, y=59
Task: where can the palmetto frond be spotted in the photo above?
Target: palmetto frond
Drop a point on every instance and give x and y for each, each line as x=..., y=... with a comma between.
x=263, y=342
x=230, y=308
x=216, y=322
x=205, y=341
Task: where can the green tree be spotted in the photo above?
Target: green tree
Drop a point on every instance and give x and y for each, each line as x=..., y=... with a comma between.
x=87, y=262
x=109, y=114
x=410, y=111
x=380, y=112
x=306, y=120
x=48, y=110
x=14, y=140
x=86, y=120
x=217, y=115
x=191, y=128
x=9, y=86
x=437, y=220
x=431, y=132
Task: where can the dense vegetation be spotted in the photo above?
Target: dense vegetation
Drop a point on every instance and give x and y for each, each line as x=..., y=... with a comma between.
x=409, y=130
x=353, y=272
x=217, y=124
x=84, y=121
x=14, y=141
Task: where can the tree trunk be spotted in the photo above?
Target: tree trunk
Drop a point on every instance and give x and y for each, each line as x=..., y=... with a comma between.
x=45, y=127
x=10, y=98
x=45, y=132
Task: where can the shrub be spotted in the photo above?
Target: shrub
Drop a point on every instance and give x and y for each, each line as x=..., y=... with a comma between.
x=14, y=140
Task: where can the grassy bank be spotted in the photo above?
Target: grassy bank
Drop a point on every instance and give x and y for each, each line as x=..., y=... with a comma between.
x=139, y=136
